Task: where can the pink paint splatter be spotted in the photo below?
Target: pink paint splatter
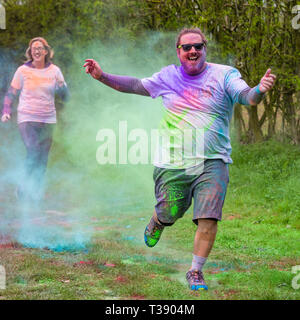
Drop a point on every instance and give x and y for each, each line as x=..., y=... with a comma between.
x=109, y=265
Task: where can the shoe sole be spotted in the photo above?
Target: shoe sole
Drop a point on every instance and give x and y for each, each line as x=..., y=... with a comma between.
x=201, y=287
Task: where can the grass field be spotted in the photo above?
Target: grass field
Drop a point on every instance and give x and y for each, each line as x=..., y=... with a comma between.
x=257, y=244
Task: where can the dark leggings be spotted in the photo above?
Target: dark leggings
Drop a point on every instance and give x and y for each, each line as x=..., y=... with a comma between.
x=37, y=138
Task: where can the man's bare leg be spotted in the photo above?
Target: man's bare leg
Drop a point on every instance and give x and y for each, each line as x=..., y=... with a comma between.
x=155, y=217
x=203, y=242
x=205, y=237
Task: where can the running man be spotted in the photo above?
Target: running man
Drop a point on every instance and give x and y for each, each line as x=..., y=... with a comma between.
x=196, y=95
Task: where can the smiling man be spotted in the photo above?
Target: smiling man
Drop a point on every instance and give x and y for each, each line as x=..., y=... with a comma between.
x=193, y=53
x=197, y=95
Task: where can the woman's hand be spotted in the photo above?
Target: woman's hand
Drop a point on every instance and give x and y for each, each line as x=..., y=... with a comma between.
x=60, y=83
x=5, y=117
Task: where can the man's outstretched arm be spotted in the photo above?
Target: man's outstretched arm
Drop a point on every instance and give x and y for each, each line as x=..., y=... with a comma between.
x=253, y=96
x=120, y=83
x=124, y=84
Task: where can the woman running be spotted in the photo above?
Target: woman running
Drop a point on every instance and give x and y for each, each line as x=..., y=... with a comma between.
x=37, y=81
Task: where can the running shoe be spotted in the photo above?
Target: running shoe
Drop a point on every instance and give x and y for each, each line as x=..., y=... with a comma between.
x=152, y=233
x=196, y=280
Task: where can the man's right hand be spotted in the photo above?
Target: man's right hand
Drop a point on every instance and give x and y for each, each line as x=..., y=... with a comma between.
x=5, y=117
x=92, y=67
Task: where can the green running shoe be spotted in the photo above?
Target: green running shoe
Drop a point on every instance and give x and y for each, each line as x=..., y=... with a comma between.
x=152, y=233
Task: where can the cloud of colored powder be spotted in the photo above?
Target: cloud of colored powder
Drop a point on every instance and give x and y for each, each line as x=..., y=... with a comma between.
x=81, y=196
x=83, y=199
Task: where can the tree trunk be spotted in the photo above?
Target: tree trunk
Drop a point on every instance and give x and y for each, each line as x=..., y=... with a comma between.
x=238, y=122
x=255, y=131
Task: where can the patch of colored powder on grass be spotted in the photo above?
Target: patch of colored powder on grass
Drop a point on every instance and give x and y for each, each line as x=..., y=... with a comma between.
x=109, y=265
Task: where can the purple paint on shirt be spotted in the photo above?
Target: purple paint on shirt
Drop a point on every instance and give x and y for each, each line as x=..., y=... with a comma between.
x=204, y=101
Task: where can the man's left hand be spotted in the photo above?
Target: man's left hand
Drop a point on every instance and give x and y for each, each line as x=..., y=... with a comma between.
x=267, y=81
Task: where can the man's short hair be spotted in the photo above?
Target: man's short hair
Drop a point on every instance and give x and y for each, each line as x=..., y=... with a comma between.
x=190, y=30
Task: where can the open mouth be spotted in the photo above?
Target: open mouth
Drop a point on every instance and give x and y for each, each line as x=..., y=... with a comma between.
x=193, y=58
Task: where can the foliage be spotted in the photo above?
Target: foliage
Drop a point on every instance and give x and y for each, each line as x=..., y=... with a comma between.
x=257, y=33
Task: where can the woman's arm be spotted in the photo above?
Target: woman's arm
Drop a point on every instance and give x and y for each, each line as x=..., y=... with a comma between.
x=62, y=91
x=8, y=101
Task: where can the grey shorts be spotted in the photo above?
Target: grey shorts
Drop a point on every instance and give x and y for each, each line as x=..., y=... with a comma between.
x=174, y=190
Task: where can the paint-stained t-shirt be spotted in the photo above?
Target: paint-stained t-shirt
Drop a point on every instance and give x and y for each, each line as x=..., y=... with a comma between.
x=198, y=109
x=36, y=101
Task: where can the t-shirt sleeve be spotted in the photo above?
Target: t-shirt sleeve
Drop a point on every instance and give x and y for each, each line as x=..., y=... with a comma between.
x=60, y=77
x=156, y=85
x=17, y=81
x=234, y=84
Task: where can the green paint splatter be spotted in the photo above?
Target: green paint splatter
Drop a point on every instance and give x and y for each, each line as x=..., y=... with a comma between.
x=174, y=210
x=175, y=195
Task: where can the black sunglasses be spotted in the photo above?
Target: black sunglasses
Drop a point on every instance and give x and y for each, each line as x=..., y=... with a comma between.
x=188, y=47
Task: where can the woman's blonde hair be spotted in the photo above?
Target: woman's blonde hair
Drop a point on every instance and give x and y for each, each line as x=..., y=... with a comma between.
x=50, y=52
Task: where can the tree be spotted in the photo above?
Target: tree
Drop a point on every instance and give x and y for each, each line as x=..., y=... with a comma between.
x=259, y=34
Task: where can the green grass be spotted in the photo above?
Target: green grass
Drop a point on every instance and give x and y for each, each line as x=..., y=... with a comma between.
x=257, y=244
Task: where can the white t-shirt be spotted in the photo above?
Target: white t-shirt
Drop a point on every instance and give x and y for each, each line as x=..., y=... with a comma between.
x=198, y=109
x=36, y=101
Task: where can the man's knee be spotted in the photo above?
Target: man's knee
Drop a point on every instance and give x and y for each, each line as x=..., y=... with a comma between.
x=207, y=229
x=160, y=221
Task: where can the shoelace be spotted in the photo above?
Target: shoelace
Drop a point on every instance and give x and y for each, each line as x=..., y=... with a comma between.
x=197, y=275
x=158, y=227
x=155, y=229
